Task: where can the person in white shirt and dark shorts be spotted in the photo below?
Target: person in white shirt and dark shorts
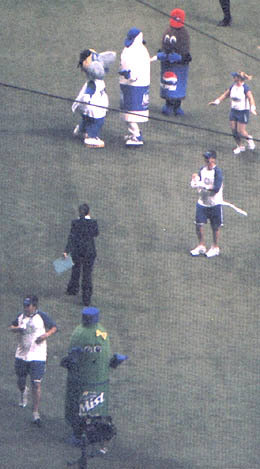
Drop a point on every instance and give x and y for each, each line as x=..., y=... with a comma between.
x=33, y=328
x=242, y=101
x=209, y=184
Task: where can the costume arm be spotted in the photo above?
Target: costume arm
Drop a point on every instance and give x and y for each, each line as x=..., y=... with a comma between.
x=79, y=97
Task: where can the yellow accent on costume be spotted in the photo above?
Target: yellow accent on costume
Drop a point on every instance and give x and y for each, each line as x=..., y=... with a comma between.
x=103, y=334
x=88, y=60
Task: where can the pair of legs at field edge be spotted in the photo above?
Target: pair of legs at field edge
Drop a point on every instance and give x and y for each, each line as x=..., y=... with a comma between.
x=201, y=235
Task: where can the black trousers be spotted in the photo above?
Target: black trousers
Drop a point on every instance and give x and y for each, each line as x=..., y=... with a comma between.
x=225, y=5
x=85, y=263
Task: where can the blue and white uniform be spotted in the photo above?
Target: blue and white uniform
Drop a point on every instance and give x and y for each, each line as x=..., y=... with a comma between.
x=210, y=189
x=30, y=356
x=92, y=94
x=239, y=103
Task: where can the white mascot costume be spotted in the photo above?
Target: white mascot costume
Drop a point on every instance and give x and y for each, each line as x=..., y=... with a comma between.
x=134, y=85
x=92, y=101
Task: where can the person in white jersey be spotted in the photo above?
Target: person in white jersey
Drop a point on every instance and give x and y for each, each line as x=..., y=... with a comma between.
x=33, y=328
x=242, y=101
x=209, y=184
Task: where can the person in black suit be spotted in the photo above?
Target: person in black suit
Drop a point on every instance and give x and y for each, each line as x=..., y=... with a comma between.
x=81, y=245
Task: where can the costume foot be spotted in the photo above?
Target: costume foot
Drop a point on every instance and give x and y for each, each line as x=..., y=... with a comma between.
x=72, y=440
x=179, y=112
x=135, y=141
x=167, y=109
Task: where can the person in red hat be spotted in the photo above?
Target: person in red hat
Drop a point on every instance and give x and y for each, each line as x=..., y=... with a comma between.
x=175, y=58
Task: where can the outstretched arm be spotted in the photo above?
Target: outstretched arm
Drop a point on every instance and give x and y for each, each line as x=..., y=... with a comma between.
x=220, y=98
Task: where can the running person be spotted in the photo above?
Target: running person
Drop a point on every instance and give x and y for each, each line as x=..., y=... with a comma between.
x=242, y=100
x=33, y=327
x=209, y=183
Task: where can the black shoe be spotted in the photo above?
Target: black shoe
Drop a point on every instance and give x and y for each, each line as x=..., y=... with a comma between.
x=225, y=22
x=71, y=293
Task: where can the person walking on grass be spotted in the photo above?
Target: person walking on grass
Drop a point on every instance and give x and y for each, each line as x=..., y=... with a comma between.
x=33, y=328
x=209, y=183
x=242, y=100
x=81, y=245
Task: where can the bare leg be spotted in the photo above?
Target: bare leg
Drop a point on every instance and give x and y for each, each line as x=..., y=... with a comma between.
x=36, y=395
x=21, y=383
x=235, y=132
x=242, y=129
x=216, y=235
x=200, y=234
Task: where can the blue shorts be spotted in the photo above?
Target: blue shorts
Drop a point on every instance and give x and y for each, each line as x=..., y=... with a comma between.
x=214, y=214
x=35, y=369
x=239, y=116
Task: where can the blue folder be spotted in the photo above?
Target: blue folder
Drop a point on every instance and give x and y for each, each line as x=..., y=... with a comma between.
x=62, y=264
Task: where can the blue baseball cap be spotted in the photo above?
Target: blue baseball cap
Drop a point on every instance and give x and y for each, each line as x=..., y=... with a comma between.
x=210, y=154
x=91, y=313
x=30, y=300
x=131, y=35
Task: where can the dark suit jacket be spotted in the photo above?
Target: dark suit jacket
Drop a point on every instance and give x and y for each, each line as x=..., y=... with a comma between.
x=81, y=238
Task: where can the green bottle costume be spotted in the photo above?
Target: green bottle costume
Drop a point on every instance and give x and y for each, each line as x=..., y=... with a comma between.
x=89, y=374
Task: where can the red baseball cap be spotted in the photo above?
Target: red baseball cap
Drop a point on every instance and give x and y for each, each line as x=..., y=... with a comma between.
x=177, y=18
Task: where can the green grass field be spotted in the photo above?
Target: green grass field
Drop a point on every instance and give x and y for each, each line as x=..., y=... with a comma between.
x=188, y=397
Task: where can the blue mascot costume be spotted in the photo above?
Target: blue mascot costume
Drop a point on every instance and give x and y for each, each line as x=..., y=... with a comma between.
x=175, y=58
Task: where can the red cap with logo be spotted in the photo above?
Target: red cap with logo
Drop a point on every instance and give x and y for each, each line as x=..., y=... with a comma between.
x=177, y=18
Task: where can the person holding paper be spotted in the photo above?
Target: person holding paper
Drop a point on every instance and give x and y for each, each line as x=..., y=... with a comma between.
x=81, y=246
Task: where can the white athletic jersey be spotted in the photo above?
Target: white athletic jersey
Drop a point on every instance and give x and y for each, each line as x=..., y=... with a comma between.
x=100, y=98
x=34, y=327
x=212, y=179
x=239, y=100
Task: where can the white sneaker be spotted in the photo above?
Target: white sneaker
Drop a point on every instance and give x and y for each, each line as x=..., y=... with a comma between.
x=213, y=251
x=94, y=142
x=200, y=249
x=24, y=397
x=136, y=141
x=238, y=150
x=251, y=143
